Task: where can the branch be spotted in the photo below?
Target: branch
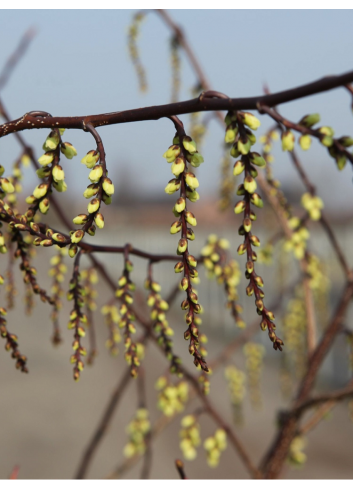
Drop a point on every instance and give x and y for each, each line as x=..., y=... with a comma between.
x=199, y=104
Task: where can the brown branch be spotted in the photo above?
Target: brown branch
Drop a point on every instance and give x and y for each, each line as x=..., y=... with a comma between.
x=16, y=56
x=104, y=422
x=199, y=104
x=180, y=468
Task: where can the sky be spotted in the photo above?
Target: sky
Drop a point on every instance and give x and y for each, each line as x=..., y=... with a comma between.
x=78, y=64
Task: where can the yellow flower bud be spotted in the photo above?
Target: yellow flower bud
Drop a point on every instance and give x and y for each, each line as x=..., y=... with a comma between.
x=238, y=168
x=39, y=191
x=46, y=159
x=99, y=220
x=52, y=141
x=44, y=206
x=189, y=144
x=91, y=190
x=173, y=186
x=192, y=196
x=239, y=207
x=191, y=180
x=90, y=159
x=180, y=205
x=250, y=184
x=178, y=166
x=175, y=227
x=93, y=206
x=80, y=219
x=249, y=120
x=305, y=142
x=195, y=159
x=108, y=186
x=171, y=153
x=60, y=186
x=288, y=140
x=77, y=236
x=68, y=150
x=58, y=173
x=96, y=173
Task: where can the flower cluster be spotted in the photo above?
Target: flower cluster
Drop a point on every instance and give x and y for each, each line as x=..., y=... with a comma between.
x=313, y=205
x=254, y=354
x=236, y=387
x=227, y=273
x=214, y=446
x=134, y=31
x=160, y=324
x=57, y=271
x=125, y=287
x=171, y=398
x=298, y=240
x=189, y=437
x=111, y=319
x=51, y=172
x=182, y=152
x=12, y=343
x=242, y=139
x=137, y=430
x=101, y=189
x=78, y=321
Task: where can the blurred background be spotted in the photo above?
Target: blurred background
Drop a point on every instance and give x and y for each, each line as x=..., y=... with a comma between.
x=78, y=64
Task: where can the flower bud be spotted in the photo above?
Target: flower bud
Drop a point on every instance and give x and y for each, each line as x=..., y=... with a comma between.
x=241, y=249
x=96, y=173
x=182, y=245
x=326, y=141
x=68, y=150
x=309, y=120
x=250, y=184
x=43, y=172
x=190, y=234
x=99, y=220
x=191, y=180
x=180, y=205
x=247, y=225
x=93, y=206
x=192, y=196
x=91, y=230
x=106, y=199
x=238, y=168
x=189, y=144
x=179, y=267
x=234, y=151
x=249, y=266
x=244, y=145
x=90, y=159
x=59, y=238
x=254, y=240
x=190, y=218
x=91, y=190
x=288, y=140
x=249, y=290
x=40, y=190
x=46, y=242
x=44, y=206
x=46, y=159
x=30, y=200
x=195, y=159
x=175, y=227
x=241, y=190
x=191, y=260
x=60, y=186
x=346, y=141
x=77, y=236
x=58, y=173
x=256, y=200
x=231, y=133
x=173, y=186
x=257, y=159
x=239, y=207
x=52, y=141
x=249, y=120
x=184, y=283
x=80, y=219
x=305, y=142
x=178, y=166
x=259, y=281
x=171, y=153
x=108, y=186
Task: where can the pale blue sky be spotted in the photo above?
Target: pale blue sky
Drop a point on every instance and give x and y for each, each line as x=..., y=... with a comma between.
x=78, y=64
